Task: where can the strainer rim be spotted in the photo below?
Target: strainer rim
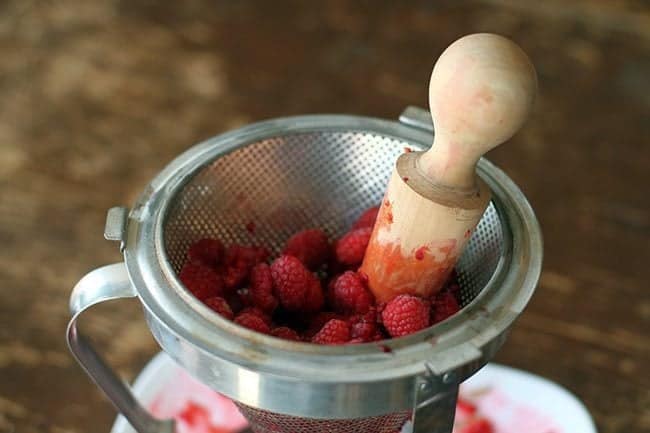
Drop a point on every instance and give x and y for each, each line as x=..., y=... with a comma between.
x=151, y=208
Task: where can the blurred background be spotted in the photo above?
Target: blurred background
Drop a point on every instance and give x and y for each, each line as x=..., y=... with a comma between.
x=97, y=96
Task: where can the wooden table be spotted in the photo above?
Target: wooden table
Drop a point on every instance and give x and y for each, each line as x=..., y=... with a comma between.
x=98, y=96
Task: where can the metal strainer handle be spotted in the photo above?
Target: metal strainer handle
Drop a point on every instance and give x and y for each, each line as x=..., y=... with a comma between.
x=105, y=284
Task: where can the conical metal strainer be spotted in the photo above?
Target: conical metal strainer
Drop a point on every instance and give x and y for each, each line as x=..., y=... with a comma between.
x=285, y=175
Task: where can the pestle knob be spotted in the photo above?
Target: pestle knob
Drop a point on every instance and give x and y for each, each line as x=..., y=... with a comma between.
x=481, y=91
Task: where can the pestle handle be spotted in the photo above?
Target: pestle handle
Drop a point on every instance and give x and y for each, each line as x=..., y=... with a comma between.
x=481, y=91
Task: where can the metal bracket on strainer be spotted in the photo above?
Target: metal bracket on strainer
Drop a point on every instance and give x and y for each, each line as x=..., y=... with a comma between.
x=285, y=175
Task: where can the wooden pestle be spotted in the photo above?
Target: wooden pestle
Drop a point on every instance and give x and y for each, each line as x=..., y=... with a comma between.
x=481, y=91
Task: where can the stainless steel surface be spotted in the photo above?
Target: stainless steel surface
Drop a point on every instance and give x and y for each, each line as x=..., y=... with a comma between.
x=293, y=173
x=435, y=407
x=116, y=222
x=105, y=284
x=417, y=117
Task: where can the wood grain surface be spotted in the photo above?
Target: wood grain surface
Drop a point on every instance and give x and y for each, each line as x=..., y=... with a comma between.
x=97, y=96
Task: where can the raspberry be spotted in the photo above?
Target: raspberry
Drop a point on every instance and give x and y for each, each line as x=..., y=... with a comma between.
x=444, y=306
x=364, y=326
x=311, y=247
x=405, y=315
x=235, y=277
x=368, y=316
x=252, y=321
x=261, y=288
x=351, y=248
x=239, y=262
x=220, y=306
x=319, y=320
x=206, y=251
x=314, y=298
x=364, y=330
x=334, y=332
x=202, y=281
x=285, y=333
x=241, y=256
x=478, y=425
x=357, y=341
x=259, y=313
x=349, y=295
x=291, y=281
x=367, y=219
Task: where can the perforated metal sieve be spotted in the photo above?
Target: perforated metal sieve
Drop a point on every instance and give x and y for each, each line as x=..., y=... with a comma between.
x=285, y=175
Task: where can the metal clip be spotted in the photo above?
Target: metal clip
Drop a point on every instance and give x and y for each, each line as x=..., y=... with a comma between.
x=435, y=403
x=116, y=225
x=436, y=390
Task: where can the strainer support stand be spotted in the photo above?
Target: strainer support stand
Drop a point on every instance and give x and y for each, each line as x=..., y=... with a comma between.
x=105, y=284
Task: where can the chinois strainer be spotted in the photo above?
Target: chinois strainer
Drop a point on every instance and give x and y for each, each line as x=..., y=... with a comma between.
x=285, y=175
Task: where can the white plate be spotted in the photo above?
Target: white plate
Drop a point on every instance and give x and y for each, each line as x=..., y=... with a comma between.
x=515, y=401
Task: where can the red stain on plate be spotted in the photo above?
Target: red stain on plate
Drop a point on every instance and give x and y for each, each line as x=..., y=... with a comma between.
x=198, y=420
x=195, y=407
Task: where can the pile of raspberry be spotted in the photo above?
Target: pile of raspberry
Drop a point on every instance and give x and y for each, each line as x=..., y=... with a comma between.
x=313, y=292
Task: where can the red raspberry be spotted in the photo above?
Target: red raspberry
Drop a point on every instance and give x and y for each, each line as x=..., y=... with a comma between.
x=368, y=316
x=334, y=332
x=351, y=248
x=202, y=281
x=405, y=315
x=349, y=295
x=239, y=262
x=206, y=251
x=367, y=219
x=364, y=330
x=478, y=425
x=314, y=298
x=330, y=287
x=285, y=333
x=444, y=306
x=252, y=321
x=311, y=247
x=245, y=256
x=220, y=306
x=235, y=277
x=357, y=341
x=365, y=325
x=261, y=288
x=319, y=320
x=291, y=281
x=259, y=313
